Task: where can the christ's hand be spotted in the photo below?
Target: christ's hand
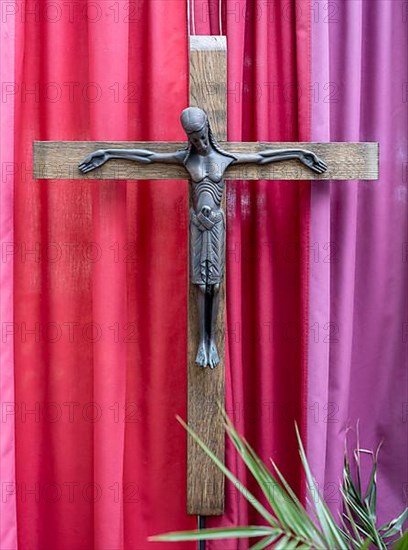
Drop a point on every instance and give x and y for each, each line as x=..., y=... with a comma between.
x=94, y=160
x=313, y=162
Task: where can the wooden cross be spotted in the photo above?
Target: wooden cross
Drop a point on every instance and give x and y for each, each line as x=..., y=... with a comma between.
x=208, y=90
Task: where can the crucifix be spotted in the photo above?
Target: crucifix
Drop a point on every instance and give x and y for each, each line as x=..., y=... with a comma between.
x=207, y=160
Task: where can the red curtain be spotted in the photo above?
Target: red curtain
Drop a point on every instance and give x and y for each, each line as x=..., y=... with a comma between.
x=100, y=282
x=100, y=269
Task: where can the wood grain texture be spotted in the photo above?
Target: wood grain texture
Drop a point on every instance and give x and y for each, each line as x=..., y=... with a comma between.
x=208, y=80
x=346, y=161
x=206, y=387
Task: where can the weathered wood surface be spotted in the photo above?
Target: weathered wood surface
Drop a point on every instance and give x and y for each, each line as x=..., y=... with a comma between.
x=208, y=81
x=205, y=387
x=346, y=161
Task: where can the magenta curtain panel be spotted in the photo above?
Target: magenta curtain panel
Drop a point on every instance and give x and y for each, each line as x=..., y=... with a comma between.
x=358, y=303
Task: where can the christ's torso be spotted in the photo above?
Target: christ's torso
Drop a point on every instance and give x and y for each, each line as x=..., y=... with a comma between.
x=207, y=178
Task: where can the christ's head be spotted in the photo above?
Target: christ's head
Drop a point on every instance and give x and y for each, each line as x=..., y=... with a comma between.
x=195, y=124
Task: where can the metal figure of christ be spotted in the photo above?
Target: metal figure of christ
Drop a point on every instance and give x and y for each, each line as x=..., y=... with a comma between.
x=206, y=164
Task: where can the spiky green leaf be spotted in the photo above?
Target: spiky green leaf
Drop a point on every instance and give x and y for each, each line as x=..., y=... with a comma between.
x=285, y=505
x=305, y=520
x=326, y=520
x=264, y=543
x=243, y=490
x=215, y=534
x=395, y=526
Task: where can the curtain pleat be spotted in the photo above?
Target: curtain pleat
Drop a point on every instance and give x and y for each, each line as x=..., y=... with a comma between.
x=109, y=299
x=319, y=293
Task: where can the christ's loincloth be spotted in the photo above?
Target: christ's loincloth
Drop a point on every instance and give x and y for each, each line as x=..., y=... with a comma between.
x=207, y=247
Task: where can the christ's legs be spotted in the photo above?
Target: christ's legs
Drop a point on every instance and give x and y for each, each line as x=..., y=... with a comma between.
x=207, y=238
x=208, y=299
x=202, y=354
x=213, y=358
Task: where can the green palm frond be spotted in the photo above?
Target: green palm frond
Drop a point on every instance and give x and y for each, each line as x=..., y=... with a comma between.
x=288, y=523
x=218, y=533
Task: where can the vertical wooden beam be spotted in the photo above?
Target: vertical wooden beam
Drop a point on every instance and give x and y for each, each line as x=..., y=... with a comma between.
x=206, y=387
x=208, y=80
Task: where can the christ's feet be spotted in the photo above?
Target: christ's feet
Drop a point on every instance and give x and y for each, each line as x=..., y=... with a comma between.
x=202, y=356
x=213, y=358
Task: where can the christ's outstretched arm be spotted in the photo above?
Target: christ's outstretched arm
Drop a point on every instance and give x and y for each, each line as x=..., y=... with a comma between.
x=307, y=158
x=99, y=157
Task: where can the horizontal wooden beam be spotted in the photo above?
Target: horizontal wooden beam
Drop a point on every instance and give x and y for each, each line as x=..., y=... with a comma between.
x=346, y=161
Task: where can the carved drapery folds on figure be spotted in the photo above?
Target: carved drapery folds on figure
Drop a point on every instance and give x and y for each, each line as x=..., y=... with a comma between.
x=206, y=164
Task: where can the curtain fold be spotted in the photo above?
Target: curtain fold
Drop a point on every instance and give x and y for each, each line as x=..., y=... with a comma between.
x=109, y=279
x=319, y=295
x=358, y=366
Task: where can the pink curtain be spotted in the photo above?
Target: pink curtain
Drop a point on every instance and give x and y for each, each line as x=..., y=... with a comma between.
x=8, y=529
x=358, y=249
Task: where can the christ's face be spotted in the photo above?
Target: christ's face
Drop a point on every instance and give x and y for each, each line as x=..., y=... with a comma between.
x=200, y=141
